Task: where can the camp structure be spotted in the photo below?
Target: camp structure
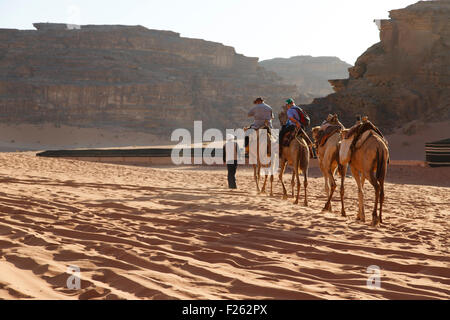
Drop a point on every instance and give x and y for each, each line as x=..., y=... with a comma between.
x=437, y=153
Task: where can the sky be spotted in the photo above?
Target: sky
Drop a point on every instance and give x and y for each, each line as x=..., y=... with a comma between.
x=256, y=28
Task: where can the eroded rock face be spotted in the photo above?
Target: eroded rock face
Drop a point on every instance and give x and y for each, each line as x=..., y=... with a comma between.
x=404, y=77
x=309, y=74
x=127, y=76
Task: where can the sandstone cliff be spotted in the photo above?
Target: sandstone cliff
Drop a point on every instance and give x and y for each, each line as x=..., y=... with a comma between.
x=309, y=74
x=127, y=76
x=404, y=77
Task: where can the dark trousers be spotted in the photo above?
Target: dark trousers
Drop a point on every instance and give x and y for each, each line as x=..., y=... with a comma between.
x=231, y=167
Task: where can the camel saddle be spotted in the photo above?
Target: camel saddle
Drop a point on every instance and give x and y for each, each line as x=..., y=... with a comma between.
x=247, y=138
x=288, y=136
x=359, y=130
x=324, y=135
x=292, y=133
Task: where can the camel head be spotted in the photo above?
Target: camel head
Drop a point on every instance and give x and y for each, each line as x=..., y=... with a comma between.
x=333, y=119
x=329, y=117
x=282, y=116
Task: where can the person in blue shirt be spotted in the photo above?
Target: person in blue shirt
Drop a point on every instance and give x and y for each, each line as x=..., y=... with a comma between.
x=293, y=118
x=294, y=121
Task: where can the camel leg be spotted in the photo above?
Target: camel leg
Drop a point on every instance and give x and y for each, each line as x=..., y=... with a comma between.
x=293, y=183
x=360, y=183
x=263, y=189
x=271, y=183
x=280, y=176
x=332, y=183
x=333, y=169
x=256, y=175
x=381, y=198
x=363, y=215
x=297, y=178
x=380, y=178
x=373, y=181
x=333, y=188
x=305, y=185
x=259, y=177
x=343, y=171
x=327, y=188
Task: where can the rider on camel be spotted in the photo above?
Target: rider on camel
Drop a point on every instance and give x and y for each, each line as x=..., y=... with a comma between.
x=263, y=116
x=294, y=120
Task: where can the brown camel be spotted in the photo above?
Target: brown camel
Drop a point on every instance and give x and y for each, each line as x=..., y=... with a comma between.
x=327, y=138
x=368, y=159
x=297, y=156
x=282, y=117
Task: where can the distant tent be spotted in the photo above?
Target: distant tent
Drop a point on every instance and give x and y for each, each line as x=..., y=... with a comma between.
x=437, y=153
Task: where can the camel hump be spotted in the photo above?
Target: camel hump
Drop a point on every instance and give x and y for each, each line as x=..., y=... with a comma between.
x=367, y=125
x=324, y=135
x=364, y=136
x=359, y=129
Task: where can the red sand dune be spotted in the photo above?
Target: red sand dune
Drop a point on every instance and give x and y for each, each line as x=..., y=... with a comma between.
x=179, y=233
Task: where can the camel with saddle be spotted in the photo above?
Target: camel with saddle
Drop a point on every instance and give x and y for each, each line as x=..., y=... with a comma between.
x=327, y=139
x=261, y=156
x=294, y=151
x=364, y=148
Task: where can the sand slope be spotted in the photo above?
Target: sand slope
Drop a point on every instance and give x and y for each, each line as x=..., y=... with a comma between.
x=178, y=233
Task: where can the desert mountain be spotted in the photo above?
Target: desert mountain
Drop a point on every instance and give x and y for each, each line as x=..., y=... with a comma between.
x=309, y=74
x=404, y=77
x=127, y=76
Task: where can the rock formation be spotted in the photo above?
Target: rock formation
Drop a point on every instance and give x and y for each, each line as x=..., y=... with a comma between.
x=127, y=76
x=404, y=77
x=310, y=74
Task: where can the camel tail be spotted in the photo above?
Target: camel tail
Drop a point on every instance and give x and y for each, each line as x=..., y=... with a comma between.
x=299, y=166
x=381, y=164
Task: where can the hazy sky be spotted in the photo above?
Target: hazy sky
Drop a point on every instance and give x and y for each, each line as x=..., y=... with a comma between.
x=257, y=28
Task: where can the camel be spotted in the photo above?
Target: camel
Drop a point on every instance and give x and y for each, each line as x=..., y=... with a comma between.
x=368, y=159
x=259, y=164
x=327, y=145
x=297, y=156
x=282, y=117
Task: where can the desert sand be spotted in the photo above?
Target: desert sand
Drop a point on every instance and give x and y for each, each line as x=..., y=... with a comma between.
x=408, y=142
x=179, y=233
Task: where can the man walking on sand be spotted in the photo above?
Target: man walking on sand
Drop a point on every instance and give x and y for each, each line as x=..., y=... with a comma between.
x=230, y=157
